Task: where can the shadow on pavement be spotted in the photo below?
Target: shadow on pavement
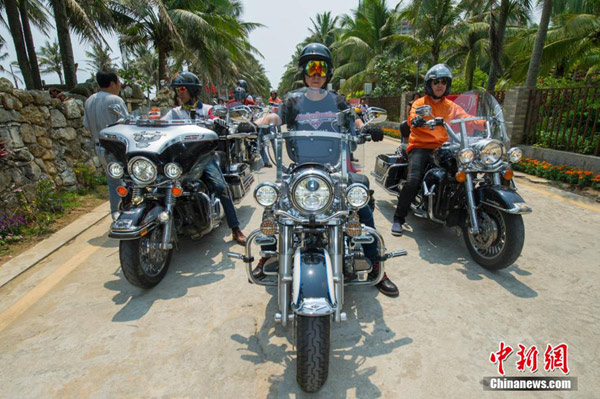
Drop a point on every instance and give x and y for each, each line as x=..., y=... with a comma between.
x=445, y=246
x=351, y=347
x=193, y=265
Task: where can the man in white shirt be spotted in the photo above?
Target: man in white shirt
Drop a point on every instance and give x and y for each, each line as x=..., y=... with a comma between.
x=98, y=115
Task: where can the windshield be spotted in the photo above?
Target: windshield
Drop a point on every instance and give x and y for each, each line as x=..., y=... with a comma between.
x=483, y=105
x=313, y=115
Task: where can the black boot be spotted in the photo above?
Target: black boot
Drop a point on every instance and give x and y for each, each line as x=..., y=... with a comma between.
x=258, y=273
x=385, y=286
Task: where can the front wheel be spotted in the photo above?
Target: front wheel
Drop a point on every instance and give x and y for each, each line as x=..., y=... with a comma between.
x=313, y=337
x=500, y=240
x=143, y=262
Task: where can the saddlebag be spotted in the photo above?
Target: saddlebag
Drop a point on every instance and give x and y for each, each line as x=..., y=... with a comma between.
x=389, y=169
x=239, y=179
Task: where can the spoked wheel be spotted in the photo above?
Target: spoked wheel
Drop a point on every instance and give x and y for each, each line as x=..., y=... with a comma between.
x=312, y=351
x=500, y=240
x=143, y=262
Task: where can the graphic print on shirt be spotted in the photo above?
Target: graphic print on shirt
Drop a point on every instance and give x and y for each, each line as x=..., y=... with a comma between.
x=317, y=119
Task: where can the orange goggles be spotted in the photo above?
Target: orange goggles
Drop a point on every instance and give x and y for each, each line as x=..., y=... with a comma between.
x=316, y=68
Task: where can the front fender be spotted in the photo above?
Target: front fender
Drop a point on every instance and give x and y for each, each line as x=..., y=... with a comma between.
x=502, y=198
x=134, y=221
x=312, y=285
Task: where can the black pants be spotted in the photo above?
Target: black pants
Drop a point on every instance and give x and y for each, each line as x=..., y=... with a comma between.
x=418, y=159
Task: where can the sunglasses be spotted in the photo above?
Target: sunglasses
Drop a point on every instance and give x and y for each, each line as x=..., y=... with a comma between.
x=316, y=68
x=443, y=81
x=182, y=89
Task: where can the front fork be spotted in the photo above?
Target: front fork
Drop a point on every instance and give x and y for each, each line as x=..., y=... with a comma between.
x=286, y=236
x=336, y=252
x=168, y=224
x=471, y=204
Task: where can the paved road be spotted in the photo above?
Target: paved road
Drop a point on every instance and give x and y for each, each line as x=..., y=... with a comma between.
x=72, y=327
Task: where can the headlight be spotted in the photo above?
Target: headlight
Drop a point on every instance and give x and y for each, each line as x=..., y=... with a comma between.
x=357, y=196
x=466, y=156
x=312, y=193
x=172, y=170
x=142, y=170
x=115, y=170
x=491, y=153
x=515, y=154
x=266, y=194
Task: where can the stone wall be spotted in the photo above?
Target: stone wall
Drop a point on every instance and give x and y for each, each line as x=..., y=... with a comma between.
x=46, y=138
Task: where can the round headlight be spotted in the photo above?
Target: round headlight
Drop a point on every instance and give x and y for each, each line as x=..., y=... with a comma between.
x=491, y=153
x=172, y=170
x=357, y=196
x=312, y=194
x=515, y=154
x=466, y=156
x=115, y=170
x=266, y=194
x=142, y=169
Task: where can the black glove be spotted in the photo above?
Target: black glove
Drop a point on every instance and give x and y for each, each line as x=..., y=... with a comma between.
x=417, y=121
x=374, y=131
x=219, y=122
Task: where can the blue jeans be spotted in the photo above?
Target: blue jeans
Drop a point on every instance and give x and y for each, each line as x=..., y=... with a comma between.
x=112, y=183
x=214, y=178
x=262, y=145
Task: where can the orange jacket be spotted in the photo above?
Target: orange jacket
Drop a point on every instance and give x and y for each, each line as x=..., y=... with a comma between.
x=423, y=137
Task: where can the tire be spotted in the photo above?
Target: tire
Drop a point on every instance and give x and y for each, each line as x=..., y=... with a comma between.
x=312, y=351
x=501, y=241
x=143, y=266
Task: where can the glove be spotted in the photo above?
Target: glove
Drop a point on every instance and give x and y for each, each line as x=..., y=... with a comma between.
x=374, y=131
x=417, y=121
x=219, y=122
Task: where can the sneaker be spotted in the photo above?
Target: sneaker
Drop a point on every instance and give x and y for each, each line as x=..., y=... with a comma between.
x=258, y=273
x=239, y=236
x=396, y=229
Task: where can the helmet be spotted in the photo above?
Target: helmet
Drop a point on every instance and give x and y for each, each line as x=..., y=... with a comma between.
x=319, y=52
x=239, y=94
x=273, y=92
x=436, y=72
x=243, y=84
x=189, y=80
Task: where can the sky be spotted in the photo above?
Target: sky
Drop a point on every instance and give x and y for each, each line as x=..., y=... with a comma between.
x=286, y=23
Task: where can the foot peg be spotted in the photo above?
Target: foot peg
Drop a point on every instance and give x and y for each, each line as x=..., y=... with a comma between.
x=394, y=254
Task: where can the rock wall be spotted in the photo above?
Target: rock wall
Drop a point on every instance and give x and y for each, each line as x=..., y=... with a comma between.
x=46, y=138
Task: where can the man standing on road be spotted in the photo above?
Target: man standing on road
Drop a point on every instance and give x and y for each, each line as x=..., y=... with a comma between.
x=98, y=115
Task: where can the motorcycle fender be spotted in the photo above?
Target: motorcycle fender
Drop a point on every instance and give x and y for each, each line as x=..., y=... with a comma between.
x=135, y=222
x=502, y=198
x=313, y=292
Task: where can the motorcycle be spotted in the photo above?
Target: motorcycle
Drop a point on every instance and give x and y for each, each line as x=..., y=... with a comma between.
x=312, y=210
x=163, y=195
x=469, y=182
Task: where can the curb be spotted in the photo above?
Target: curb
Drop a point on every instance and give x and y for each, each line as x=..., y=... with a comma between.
x=25, y=261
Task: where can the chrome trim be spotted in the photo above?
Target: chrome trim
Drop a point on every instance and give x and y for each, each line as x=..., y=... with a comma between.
x=286, y=240
x=515, y=210
x=313, y=307
x=350, y=187
x=471, y=204
x=269, y=184
x=285, y=214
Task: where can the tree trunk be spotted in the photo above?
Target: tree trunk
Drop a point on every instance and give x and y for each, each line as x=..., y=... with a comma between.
x=162, y=64
x=538, y=46
x=497, y=29
x=12, y=12
x=33, y=62
x=64, y=42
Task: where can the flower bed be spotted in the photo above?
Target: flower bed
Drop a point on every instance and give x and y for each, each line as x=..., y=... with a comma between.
x=563, y=173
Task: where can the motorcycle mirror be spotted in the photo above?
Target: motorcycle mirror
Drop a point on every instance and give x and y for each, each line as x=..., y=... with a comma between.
x=376, y=115
x=423, y=110
x=219, y=111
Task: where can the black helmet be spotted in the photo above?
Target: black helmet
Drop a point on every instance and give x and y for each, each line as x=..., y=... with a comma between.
x=319, y=52
x=242, y=83
x=239, y=94
x=436, y=72
x=190, y=81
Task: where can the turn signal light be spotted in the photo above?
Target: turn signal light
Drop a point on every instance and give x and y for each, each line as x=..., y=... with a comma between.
x=353, y=227
x=122, y=191
x=176, y=191
x=508, y=175
x=461, y=176
x=268, y=227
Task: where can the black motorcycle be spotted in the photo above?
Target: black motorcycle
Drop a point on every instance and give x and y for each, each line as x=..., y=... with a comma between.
x=163, y=194
x=469, y=181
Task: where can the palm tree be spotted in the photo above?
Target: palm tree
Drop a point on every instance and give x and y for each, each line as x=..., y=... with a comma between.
x=51, y=60
x=538, y=46
x=366, y=39
x=16, y=31
x=99, y=58
x=324, y=30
